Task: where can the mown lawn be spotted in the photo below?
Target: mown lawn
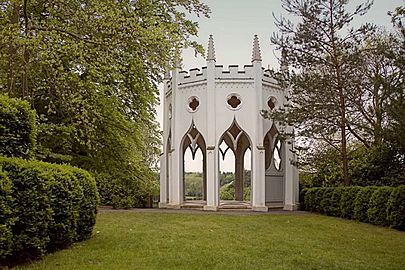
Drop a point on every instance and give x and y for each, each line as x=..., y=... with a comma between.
x=170, y=240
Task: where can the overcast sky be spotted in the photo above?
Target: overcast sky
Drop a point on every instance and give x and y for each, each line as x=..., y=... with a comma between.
x=233, y=24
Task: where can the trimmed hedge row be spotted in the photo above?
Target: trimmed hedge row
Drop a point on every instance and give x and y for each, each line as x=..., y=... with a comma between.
x=17, y=128
x=376, y=205
x=43, y=207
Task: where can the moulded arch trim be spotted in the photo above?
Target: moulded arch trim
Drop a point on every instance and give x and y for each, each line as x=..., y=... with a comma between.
x=196, y=142
x=225, y=132
x=228, y=126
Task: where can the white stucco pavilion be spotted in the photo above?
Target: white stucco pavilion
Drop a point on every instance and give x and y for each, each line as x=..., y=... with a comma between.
x=203, y=108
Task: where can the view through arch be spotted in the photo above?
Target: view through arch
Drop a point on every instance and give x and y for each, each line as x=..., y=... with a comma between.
x=194, y=167
x=235, y=181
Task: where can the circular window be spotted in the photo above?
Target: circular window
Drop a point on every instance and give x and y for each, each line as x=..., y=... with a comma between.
x=234, y=101
x=272, y=103
x=193, y=104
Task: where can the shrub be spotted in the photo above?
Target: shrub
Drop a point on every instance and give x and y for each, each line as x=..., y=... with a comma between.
x=54, y=206
x=6, y=220
x=396, y=208
x=347, y=201
x=362, y=202
x=317, y=199
x=88, y=204
x=121, y=191
x=377, y=211
x=334, y=202
x=309, y=199
x=302, y=198
x=325, y=200
x=17, y=128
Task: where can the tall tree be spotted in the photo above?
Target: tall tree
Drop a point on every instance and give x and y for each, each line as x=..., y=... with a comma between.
x=90, y=69
x=322, y=50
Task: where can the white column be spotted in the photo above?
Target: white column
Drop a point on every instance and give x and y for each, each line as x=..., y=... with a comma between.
x=291, y=177
x=175, y=169
x=163, y=180
x=258, y=180
x=258, y=166
x=212, y=168
x=166, y=130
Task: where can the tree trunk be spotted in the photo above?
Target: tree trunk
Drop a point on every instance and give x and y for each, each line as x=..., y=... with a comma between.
x=12, y=53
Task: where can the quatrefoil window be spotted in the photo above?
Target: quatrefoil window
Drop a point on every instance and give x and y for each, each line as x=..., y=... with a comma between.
x=234, y=101
x=193, y=104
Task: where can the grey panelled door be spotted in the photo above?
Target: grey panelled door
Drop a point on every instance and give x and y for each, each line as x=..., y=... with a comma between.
x=275, y=174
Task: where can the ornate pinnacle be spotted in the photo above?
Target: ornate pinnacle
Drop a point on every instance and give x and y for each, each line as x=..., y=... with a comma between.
x=211, y=49
x=256, y=56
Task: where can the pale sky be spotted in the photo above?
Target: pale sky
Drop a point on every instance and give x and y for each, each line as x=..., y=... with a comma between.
x=233, y=24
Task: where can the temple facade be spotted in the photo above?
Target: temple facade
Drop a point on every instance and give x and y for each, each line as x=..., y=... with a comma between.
x=217, y=110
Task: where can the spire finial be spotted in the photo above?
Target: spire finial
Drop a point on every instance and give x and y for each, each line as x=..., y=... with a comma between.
x=211, y=49
x=256, y=56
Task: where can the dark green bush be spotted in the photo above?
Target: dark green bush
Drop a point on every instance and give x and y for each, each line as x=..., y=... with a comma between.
x=317, y=200
x=325, y=200
x=17, y=128
x=121, y=191
x=334, y=207
x=302, y=198
x=347, y=201
x=53, y=206
x=362, y=202
x=377, y=205
x=377, y=211
x=396, y=208
x=88, y=204
x=309, y=199
x=6, y=220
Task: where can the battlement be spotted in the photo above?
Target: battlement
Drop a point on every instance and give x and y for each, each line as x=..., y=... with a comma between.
x=232, y=72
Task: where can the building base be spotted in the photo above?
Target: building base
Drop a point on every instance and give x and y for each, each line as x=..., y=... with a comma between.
x=173, y=206
x=162, y=205
x=210, y=208
x=260, y=208
x=291, y=207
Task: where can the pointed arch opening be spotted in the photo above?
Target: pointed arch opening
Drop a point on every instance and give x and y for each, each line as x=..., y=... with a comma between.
x=274, y=162
x=235, y=165
x=194, y=166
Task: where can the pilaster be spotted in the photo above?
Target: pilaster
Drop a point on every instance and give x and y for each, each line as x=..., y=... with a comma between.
x=212, y=169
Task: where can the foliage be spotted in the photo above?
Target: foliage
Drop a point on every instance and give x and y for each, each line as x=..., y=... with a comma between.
x=193, y=185
x=6, y=214
x=326, y=200
x=347, y=201
x=323, y=51
x=377, y=205
x=376, y=165
x=377, y=209
x=227, y=192
x=396, y=208
x=17, y=128
x=52, y=206
x=90, y=69
x=362, y=202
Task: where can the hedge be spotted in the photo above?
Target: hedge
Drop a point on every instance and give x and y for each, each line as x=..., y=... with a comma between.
x=52, y=206
x=377, y=205
x=17, y=128
x=361, y=203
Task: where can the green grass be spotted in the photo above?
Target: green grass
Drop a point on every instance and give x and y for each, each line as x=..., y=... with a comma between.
x=145, y=240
